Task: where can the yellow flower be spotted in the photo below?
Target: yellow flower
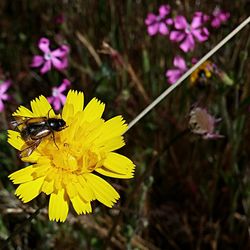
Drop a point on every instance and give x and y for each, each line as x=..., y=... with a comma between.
x=63, y=166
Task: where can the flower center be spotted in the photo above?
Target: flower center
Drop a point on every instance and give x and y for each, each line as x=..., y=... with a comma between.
x=55, y=92
x=188, y=29
x=159, y=19
x=47, y=56
x=72, y=159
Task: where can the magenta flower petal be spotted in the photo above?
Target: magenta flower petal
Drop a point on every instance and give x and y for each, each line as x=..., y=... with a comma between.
x=180, y=63
x=188, y=43
x=62, y=98
x=4, y=86
x=61, y=52
x=56, y=103
x=50, y=99
x=201, y=34
x=163, y=29
x=65, y=84
x=57, y=63
x=164, y=10
x=153, y=29
x=180, y=23
x=224, y=16
x=37, y=61
x=46, y=67
x=169, y=21
x=199, y=19
x=176, y=36
x=1, y=105
x=64, y=63
x=151, y=18
x=216, y=23
x=173, y=75
x=4, y=96
x=44, y=45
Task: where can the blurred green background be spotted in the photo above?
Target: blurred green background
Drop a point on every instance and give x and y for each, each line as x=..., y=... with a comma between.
x=188, y=193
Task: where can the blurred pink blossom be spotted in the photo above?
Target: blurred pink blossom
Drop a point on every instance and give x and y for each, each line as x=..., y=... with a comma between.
x=218, y=17
x=180, y=68
x=186, y=33
x=202, y=123
x=56, y=58
x=4, y=85
x=159, y=23
x=58, y=98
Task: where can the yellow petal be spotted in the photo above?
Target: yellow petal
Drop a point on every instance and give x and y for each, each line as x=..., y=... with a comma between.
x=112, y=144
x=29, y=190
x=48, y=186
x=84, y=190
x=112, y=128
x=93, y=110
x=58, y=206
x=15, y=140
x=29, y=173
x=103, y=191
x=119, y=164
x=22, y=111
x=41, y=107
x=80, y=206
x=74, y=103
x=33, y=158
x=70, y=188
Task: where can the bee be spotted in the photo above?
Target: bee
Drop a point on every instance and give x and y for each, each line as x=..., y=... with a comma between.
x=34, y=130
x=202, y=74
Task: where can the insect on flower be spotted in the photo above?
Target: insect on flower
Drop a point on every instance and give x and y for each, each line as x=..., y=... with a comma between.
x=33, y=130
x=202, y=74
x=71, y=175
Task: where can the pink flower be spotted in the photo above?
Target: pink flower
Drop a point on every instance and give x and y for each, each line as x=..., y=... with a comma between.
x=180, y=68
x=159, y=23
x=4, y=85
x=56, y=58
x=219, y=17
x=186, y=33
x=58, y=98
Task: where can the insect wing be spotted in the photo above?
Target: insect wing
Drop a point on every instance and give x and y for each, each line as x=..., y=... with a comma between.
x=29, y=148
x=35, y=132
x=19, y=121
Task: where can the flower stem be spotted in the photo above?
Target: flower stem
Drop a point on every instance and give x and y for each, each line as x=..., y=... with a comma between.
x=188, y=73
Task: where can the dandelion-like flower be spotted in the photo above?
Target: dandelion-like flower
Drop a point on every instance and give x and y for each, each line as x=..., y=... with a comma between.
x=186, y=33
x=180, y=68
x=56, y=58
x=4, y=85
x=64, y=166
x=58, y=98
x=159, y=23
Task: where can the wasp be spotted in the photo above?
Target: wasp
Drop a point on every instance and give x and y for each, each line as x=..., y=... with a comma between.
x=34, y=130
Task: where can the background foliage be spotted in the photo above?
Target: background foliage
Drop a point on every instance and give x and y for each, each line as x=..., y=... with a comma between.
x=188, y=193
